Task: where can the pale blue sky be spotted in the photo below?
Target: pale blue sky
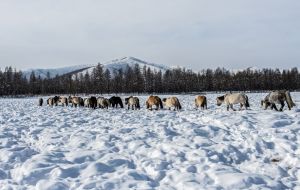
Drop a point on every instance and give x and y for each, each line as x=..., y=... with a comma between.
x=196, y=34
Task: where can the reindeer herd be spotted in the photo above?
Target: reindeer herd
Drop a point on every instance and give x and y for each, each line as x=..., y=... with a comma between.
x=274, y=97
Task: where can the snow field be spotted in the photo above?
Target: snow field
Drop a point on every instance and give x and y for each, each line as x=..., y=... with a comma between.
x=81, y=148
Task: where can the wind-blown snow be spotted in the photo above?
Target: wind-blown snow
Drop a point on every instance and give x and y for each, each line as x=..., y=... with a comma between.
x=80, y=148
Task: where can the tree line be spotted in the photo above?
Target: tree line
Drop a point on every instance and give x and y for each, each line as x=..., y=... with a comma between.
x=144, y=80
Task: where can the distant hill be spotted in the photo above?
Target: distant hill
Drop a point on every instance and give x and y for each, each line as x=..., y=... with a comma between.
x=112, y=65
x=56, y=71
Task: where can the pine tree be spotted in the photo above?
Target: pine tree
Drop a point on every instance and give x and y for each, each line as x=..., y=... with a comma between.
x=138, y=80
x=107, y=81
x=32, y=83
x=98, y=79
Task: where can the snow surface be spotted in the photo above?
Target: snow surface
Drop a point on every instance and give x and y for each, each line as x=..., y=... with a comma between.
x=80, y=148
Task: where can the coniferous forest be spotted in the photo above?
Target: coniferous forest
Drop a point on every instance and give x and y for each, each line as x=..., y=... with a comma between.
x=145, y=80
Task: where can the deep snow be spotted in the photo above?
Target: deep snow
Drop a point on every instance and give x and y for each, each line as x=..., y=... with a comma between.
x=80, y=148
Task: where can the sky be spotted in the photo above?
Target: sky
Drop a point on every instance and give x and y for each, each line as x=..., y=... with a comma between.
x=196, y=34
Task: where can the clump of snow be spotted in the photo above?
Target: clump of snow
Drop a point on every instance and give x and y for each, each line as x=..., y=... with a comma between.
x=81, y=148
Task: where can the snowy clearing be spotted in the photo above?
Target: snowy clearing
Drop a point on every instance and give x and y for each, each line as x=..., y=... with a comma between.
x=80, y=148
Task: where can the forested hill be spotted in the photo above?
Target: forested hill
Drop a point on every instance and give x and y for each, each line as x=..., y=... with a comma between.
x=137, y=78
x=112, y=66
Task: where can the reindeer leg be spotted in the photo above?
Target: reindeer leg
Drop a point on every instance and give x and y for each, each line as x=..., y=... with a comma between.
x=227, y=107
x=267, y=105
x=282, y=105
x=274, y=106
x=288, y=105
x=241, y=106
x=231, y=106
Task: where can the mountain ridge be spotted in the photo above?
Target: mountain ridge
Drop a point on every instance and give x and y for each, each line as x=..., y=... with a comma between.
x=111, y=65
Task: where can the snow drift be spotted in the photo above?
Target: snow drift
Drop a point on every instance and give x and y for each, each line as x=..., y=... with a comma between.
x=80, y=148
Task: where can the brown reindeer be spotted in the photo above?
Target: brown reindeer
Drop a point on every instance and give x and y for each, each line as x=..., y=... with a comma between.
x=172, y=102
x=87, y=102
x=50, y=101
x=53, y=101
x=278, y=96
x=63, y=100
x=235, y=98
x=201, y=101
x=103, y=102
x=134, y=102
x=76, y=101
x=154, y=100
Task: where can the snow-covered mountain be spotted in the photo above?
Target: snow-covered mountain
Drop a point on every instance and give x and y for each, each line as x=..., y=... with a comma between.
x=116, y=64
x=131, y=61
x=112, y=65
x=56, y=71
